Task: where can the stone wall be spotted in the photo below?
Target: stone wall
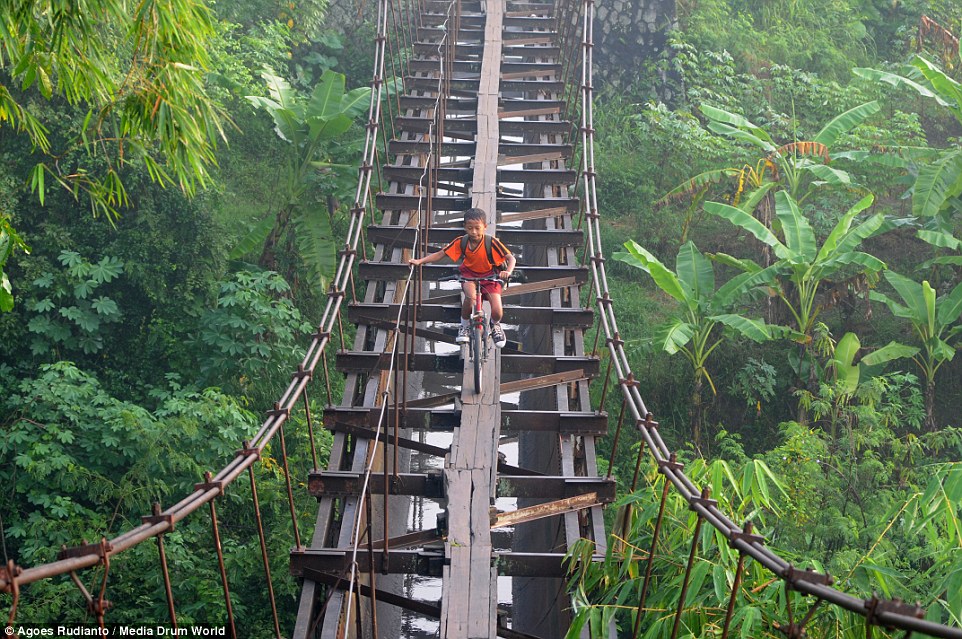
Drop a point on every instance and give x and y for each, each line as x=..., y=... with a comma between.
x=628, y=34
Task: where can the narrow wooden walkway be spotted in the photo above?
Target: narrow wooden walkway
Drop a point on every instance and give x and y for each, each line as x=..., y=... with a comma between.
x=488, y=73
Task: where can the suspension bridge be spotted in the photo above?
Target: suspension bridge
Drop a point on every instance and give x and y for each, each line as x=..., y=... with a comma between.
x=480, y=118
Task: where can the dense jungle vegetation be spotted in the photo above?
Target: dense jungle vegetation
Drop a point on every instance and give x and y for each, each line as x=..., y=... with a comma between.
x=792, y=185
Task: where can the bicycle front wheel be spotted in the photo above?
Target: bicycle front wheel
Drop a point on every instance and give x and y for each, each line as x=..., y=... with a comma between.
x=477, y=347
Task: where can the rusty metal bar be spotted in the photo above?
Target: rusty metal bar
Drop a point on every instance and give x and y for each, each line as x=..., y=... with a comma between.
x=691, y=562
x=220, y=551
x=263, y=540
x=287, y=481
x=736, y=584
x=614, y=445
x=310, y=431
x=651, y=552
x=168, y=590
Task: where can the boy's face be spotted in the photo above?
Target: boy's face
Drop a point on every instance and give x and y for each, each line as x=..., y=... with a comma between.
x=475, y=229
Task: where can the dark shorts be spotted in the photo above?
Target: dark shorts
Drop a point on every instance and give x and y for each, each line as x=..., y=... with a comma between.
x=486, y=287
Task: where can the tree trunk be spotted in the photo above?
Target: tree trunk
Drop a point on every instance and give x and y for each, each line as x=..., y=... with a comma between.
x=764, y=213
x=930, y=405
x=696, y=414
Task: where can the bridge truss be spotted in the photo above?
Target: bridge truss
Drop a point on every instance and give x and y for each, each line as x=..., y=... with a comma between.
x=479, y=120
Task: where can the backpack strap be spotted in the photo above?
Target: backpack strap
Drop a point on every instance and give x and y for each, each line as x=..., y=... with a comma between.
x=488, y=241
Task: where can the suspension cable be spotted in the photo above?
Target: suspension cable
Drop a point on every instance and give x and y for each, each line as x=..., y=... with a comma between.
x=386, y=393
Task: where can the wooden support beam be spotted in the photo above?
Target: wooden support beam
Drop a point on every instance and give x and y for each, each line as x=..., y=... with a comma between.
x=404, y=236
x=507, y=150
x=382, y=596
x=430, y=485
x=557, y=275
x=363, y=420
x=550, y=509
x=451, y=313
x=338, y=560
x=512, y=364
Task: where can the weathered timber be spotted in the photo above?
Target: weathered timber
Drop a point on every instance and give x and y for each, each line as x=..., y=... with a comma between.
x=512, y=421
x=464, y=128
x=451, y=313
x=405, y=236
x=338, y=483
x=521, y=364
x=549, y=509
x=465, y=86
x=430, y=485
x=423, y=562
x=389, y=271
x=427, y=609
x=334, y=560
x=506, y=149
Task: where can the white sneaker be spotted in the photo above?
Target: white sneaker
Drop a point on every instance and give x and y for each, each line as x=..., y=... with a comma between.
x=497, y=334
x=464, y=335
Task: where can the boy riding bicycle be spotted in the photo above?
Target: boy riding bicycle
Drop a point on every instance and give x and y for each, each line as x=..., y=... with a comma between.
x=480, y=256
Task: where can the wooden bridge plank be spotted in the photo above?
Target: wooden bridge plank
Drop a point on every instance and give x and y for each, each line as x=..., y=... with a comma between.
x=451, y=313
x=554, y=276
x=390, y=236
x=512, y=421
x=516, y=364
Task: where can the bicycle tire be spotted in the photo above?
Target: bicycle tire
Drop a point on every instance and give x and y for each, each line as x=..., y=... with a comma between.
x=477, y=347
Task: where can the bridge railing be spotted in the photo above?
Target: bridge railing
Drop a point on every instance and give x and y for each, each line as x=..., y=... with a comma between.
x=883, y=613
x=13, y=577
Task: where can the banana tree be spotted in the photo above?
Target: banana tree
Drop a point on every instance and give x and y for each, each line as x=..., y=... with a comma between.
x=938, y=186
x=795, y=166
x=309, y=124
x=801, y=266
x=799, y=165
x=934, y=319
x=693, y=285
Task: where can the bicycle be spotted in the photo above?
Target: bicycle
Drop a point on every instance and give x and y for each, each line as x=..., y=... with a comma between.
x=480, y=331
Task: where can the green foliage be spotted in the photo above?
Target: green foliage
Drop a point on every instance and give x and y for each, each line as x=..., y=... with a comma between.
x=802, y=266
x=138, y=71
x=68, y=309
x=755, y=382
x=798, y=166
x=612, y=588
x=934, y=319
x=72, y=454
x=310, y=124
x=9, y=242
x=693, y=285
x=250, y=342
x=938, y=185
